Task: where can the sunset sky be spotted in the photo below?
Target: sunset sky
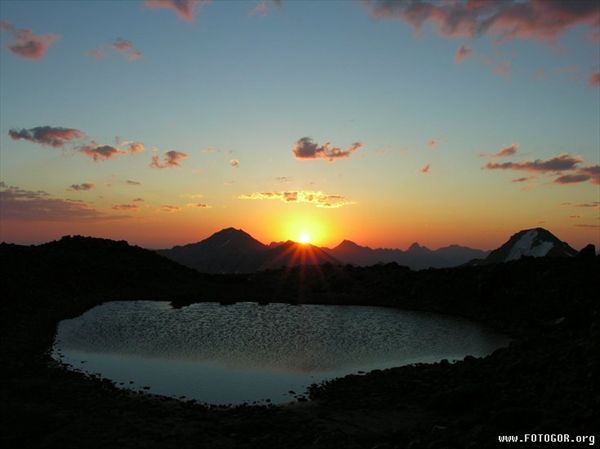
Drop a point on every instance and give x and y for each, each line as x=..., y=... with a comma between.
x=383, y=122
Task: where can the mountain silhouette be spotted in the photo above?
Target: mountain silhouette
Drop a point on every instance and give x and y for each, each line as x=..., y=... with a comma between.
x=416, y=256
x=291, y=254
x=536, y=242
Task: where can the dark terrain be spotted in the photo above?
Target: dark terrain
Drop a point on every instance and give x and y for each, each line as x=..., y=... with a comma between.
x=544, y=382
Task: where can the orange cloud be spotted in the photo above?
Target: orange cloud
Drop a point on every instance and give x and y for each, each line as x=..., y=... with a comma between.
x=130, y=207
x=99, y=152
x=319, y=199
x=171, y=159
x=507, y=151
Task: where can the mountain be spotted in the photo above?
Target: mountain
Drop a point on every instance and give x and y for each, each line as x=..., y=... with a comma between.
x=290, y=254
x=227, y=251
x=536, y=242
x=235, y=251
x=416, y=256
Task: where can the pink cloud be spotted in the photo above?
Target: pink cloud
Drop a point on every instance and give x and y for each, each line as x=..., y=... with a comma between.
x=540, y=20
x=433, y=143
x=507, y=151
x=171, y=159
x=27, y=44
x=425, y=170
x=594, y=79
x=126, y=48
x=47, y=135
x=185, y=9
x=99, y=152
x=462, y=53
x=305, y=148
x=97, y=53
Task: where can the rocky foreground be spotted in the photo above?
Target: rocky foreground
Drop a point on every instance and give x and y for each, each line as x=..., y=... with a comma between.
x=544, y=382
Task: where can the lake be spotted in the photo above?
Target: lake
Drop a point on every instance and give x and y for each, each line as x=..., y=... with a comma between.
x=248, y=352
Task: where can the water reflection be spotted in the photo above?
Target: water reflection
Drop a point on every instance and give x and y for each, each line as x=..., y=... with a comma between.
x=246, y=352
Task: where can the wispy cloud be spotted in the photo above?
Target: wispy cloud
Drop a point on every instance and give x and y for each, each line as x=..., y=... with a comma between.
x=305, y=148
x=47, y=135
x=425, y=170
x=21, y=204
x=199, y=205
x=171, y=159
x=507, y=151
x=83, y=186
x=129, y=207
x=185, y=9
x=558, y=163
x=127, y=49
x=96, y=53
x=169, y=208
x=462, y=53
x=26, y=44
x=524, y=179
x=319, y=199
x=133, y=183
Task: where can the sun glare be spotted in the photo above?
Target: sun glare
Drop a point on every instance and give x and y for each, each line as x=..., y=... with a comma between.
x=304, y=238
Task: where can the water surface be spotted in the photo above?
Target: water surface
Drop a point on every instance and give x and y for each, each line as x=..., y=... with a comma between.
x=248, y=352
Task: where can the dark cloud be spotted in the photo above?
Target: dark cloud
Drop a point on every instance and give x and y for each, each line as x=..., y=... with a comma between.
x=171, y=159
x=27, y=44
x=524, y=179
x=200, y=205
x=47, y=135
x=559, y=163
x=542, y=20
x=185, y=9
x=572, y=179
x=319, y=199
x=133, y=183
x=129, y=207
x=305, y=148
x=99, y=152
x=83, y=186
x=593, y=171
x=20, y=204
x=462, y=53
x=507, y=151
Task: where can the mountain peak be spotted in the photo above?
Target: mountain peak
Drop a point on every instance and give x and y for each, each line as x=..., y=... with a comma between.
x=348, y=244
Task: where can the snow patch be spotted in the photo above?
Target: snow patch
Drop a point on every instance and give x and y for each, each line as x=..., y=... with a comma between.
x=523, y=247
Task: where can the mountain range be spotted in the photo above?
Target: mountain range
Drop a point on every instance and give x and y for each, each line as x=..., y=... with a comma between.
x=235, y=251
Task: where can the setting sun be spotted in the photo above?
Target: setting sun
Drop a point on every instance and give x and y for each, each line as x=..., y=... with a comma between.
x=304, y=238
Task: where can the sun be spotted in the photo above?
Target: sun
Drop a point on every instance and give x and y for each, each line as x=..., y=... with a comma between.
x=304, y=238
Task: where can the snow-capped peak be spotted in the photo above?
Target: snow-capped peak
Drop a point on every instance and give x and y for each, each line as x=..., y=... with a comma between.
x=525, y=246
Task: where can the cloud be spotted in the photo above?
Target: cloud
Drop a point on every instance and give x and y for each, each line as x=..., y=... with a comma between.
x=5, y=26
x=20, y=204
x=574, y=217
x=199, y=205
x=433, y=143
x=47, y=135
x=283, y=179
x=169, y=208
x=592, y=204
x=594, y=79
x=185, y=9
x=462, y=53
x=129, y=207
x=234, y=163
x=507, y=151
x=559, y=163
x=593, y=171
x=539, y=20
x=137, y=200
x=134, y=147
x=96, y=53
x=305, y=148
x=27, y=44
x=127, y=49
x=591, y=226
x=572, y=179
x=99, y=152
x=425, y=170
x=83, y=186
x=524, y=179
x=171, y=159
x=133, y=183
x=319, y=199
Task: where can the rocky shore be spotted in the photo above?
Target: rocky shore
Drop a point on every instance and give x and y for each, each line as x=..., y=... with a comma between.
x=544, y=382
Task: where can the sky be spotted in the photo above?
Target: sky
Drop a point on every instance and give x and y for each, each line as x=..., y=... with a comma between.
x=384, y=122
